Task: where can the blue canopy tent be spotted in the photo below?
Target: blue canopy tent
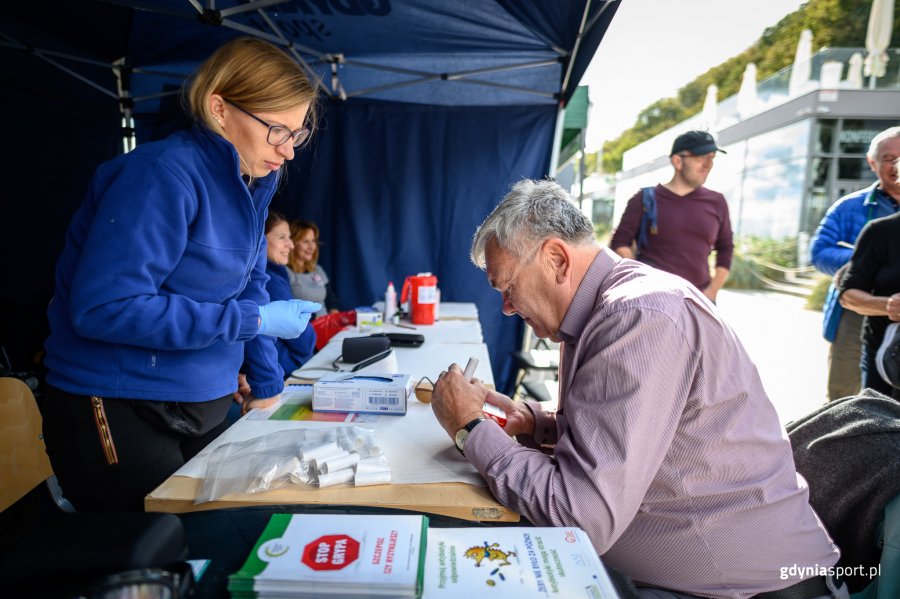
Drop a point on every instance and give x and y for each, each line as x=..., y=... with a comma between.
x=430, y=111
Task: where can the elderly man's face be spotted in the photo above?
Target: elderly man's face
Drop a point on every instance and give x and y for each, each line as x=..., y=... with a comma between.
x=525, y=289
x=884, y=166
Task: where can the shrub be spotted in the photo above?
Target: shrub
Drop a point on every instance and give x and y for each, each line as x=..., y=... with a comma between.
x=816, y=299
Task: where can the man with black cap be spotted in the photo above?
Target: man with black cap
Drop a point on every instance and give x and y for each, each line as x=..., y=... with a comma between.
x=675, y=225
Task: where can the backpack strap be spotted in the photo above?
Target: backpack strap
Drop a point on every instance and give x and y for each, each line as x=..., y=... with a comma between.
x=648, y=218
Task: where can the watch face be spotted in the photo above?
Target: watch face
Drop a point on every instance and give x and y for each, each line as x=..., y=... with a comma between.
x=461, y=435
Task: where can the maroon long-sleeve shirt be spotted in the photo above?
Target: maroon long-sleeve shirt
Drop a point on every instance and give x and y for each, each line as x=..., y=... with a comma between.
x=688, y=228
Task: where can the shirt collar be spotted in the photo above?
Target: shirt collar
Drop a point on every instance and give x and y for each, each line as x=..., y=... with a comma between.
x=876, y=193
x=224, y=152
x=582, y=306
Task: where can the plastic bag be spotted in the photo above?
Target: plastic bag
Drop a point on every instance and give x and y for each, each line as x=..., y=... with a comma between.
x=330, y=325
x=318, y=457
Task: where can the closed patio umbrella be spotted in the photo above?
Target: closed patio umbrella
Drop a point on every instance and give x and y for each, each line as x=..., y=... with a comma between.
x=878, y=38
x=854, y=72
x=746, y=97
x=802, y=68
x=711, y=107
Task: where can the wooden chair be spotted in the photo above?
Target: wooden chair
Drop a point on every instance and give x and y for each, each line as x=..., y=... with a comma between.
x=23, y=457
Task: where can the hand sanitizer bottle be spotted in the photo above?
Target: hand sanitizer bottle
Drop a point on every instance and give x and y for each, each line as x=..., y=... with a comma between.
x=390, y=302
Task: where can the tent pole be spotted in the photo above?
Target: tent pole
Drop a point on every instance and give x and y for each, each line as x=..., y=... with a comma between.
x=571, y=61
x=126, y=104
x=581, y=171
x=557, y=139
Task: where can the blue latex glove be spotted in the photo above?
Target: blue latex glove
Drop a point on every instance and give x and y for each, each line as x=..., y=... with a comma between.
x=286, y=318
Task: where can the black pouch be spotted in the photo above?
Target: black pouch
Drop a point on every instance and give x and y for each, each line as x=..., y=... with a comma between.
x=357, y=349
x=186, y=418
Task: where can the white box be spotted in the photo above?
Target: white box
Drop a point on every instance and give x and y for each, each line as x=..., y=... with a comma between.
x=368, y=319
x=367, y=393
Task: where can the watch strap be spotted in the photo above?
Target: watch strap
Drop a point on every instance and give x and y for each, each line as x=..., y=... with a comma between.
x=473, y=423
x=463, y=433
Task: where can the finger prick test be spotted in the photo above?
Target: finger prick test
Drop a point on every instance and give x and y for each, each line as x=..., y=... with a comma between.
x=489, y=410
x=469, y=372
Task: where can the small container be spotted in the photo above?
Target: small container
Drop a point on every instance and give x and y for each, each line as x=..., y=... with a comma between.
x=390, y=302
x=368, y=319
x=494, y=413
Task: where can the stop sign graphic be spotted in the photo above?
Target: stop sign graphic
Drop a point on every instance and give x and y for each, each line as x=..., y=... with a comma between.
x=331, y=552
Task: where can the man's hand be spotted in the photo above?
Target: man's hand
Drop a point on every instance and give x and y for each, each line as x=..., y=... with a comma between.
x=519, y=417
x=718, y=281
x=625, y=251
x=455, y=401
x=893, y=307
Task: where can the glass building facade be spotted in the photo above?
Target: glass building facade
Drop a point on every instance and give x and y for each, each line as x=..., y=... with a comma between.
x=789, y=160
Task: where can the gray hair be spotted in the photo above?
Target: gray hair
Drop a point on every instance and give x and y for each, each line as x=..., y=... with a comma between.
x=876, y=141
x=531, y=212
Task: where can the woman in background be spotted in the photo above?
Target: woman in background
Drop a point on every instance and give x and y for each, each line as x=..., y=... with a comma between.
x=292, y=353
x=871, y=287
x=308, y=279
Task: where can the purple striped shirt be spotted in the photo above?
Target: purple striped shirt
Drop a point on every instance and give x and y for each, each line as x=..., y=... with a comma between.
x=665, y=448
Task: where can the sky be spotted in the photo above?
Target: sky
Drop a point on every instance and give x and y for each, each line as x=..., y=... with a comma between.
x=654, y=47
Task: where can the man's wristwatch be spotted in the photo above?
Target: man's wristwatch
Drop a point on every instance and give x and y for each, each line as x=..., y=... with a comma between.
x=463, y=433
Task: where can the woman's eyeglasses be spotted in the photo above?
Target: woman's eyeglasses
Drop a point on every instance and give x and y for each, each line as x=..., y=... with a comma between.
x=278, y=134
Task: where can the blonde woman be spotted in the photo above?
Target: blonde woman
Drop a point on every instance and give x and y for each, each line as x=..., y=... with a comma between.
x=160, y=289
x=308, y=279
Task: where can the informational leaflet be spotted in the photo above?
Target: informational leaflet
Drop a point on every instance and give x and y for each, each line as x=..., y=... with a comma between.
x=518, y=562
x=318, y=555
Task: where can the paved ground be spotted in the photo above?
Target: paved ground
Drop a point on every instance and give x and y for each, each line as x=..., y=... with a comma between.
x=785, y=342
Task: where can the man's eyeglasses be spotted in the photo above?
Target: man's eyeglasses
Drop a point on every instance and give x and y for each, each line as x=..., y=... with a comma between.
x=278, y=134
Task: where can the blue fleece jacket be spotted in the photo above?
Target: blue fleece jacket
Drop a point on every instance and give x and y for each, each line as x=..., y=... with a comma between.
x=843, y=222
x=159, y=283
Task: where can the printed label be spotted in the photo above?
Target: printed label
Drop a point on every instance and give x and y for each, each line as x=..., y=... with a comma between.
x=427, y=295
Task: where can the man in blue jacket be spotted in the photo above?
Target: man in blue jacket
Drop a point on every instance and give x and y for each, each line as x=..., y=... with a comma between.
x=832, y=247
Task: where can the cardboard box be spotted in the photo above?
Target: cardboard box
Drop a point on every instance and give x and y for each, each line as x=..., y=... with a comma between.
x=368, y=319
x=367, y=393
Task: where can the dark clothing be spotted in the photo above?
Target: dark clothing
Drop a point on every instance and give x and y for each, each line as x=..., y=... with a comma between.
x=875, y=268
x=843, y=223
x=292, y=353
x=688, y=227
x=870, y=378
x=147, y=440
x=849, y=452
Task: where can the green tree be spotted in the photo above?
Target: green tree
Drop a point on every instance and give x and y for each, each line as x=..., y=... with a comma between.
x=834, y=23
x=590, y=163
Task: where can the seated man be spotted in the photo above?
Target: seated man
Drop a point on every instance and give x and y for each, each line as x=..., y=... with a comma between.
x=664, y=448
